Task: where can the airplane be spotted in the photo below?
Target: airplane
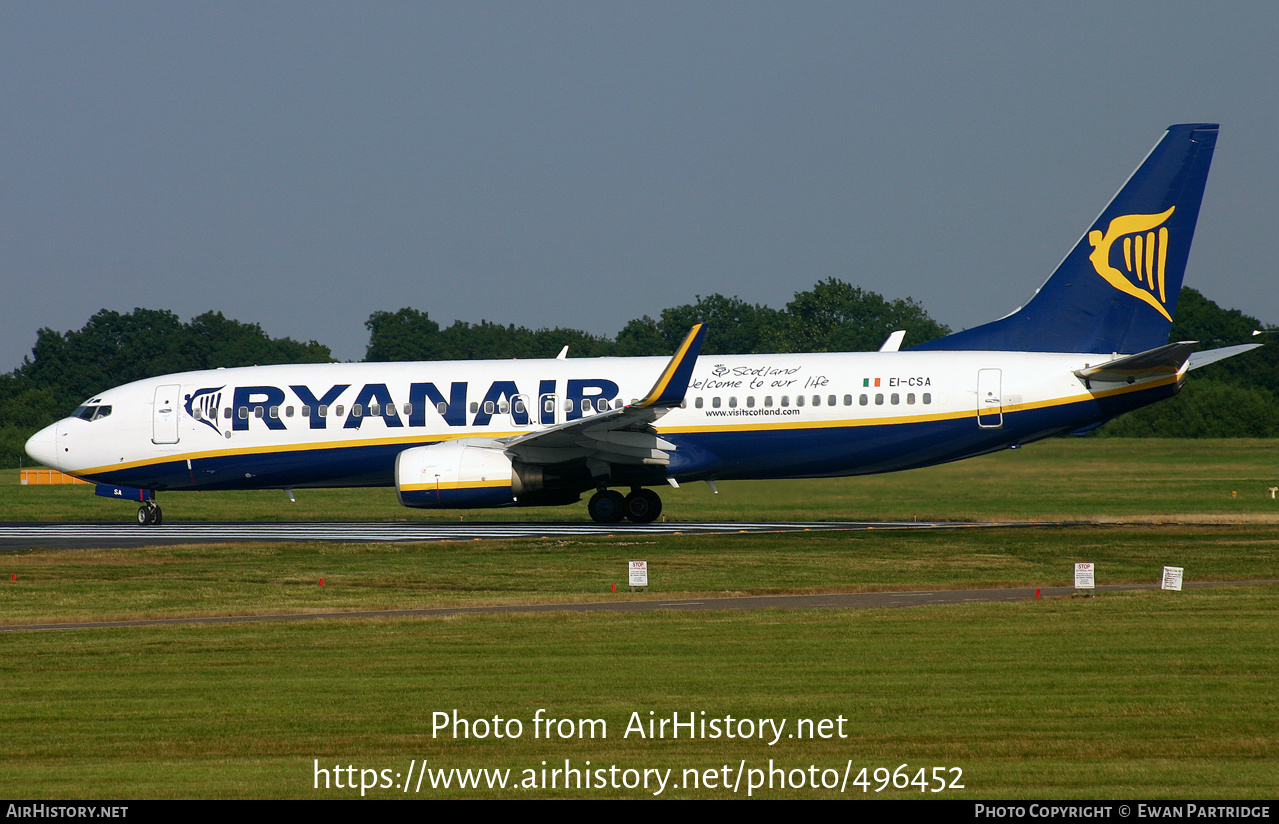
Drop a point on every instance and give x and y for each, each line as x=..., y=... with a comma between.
x=1090, y=344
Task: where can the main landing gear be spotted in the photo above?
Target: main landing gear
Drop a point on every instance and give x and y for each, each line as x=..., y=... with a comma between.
x=149, y=514
x=608, y=506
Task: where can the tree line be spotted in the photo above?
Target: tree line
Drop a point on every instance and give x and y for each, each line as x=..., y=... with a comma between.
x=1233, y=398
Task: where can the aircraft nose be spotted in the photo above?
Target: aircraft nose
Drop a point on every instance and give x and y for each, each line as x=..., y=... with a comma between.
x=43, y=446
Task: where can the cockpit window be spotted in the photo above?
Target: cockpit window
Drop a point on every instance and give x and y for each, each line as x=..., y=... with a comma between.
x=91, y=413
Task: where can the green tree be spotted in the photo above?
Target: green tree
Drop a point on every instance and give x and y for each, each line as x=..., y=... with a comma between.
x=213, y=340
x=1204, y=409
x=835, y=316
x=734, y=327
x=406, y=335
x=1234, y=398
x=114, y=348
x=641, y=337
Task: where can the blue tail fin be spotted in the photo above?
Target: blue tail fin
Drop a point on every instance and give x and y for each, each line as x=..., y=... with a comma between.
x=1117, y=289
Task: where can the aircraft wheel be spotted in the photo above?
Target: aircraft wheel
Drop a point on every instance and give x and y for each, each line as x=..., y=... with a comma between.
x=643, y=506
x=158, y=517
x=144, y=516
x=607, y=507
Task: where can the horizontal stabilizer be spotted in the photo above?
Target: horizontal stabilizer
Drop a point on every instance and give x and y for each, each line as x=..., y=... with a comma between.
x=1153, y=363
x=1199, y=359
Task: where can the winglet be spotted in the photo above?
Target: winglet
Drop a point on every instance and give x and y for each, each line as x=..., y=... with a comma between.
x=673, y=382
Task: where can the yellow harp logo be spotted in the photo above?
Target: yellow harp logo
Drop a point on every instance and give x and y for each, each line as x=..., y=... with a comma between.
x=1145, y=253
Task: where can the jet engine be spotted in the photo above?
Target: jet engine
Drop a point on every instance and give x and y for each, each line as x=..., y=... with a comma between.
x=471, y=474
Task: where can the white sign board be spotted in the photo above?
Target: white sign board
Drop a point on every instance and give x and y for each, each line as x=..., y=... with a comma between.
x=1084, y=576
x=639, y=573
x=1172, y=578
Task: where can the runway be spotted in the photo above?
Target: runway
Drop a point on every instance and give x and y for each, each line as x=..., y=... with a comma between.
x=23, y=536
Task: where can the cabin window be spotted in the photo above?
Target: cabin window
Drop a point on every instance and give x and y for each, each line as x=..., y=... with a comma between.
x=357, y=411
x=475, y=407
x=243, y=413
x=697, y=402
x=683, y=404
x=322, y=411
x=258, y=412
x=519, y=407
x=442, y=408
x=928, y=397
x=831, y=400
x=489, y=407
x=732, y=402
x=306, y=411
x=799, y=400
x=879, y=400
x=274, y=412
x=549, y=406
x=910, y=398
x=617, y=404
x=768, y=400
x=374, y=410
x=338, y=410
x=896, y=399
x=226, y=413
x=408, y=409
x=750, y=401
x=785, y=400
x=715, y=402
x=863, y=400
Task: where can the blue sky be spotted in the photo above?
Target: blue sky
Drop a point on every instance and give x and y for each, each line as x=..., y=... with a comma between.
x=302, y=165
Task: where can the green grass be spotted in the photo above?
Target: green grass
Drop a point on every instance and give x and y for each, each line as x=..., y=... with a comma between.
x=251, y=579
x=1146, y=695
x=1132, y=695
x=1060, y=479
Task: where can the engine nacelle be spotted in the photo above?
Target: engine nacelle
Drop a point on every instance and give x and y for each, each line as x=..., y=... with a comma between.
x=463, y=475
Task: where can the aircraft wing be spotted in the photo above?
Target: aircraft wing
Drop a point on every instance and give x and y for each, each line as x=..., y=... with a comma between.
x=623, y=435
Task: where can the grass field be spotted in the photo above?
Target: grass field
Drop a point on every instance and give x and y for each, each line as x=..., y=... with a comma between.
x=1134, y=695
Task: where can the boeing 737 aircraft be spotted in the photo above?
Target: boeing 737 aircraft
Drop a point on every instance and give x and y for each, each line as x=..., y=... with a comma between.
x=1091, y=344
